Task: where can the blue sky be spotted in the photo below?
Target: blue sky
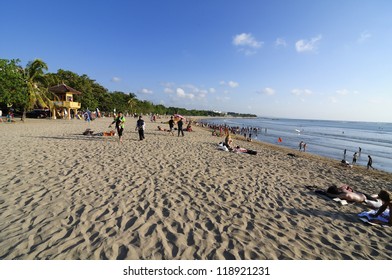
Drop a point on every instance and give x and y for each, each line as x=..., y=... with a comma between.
x=294, y=58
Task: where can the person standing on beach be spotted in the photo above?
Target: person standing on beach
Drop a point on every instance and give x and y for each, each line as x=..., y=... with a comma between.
x=300, y=145
x=119, y=121
x=171, y=126
x=140, y=126
x=304, y=147
x=179, y=126
x=344, y=154
x=355, y=157
x=370, y=162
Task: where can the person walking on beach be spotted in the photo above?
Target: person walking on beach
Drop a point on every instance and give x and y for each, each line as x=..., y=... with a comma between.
x=140, y=126
x=119, y=121
x=344, y=154
x=171, y=126
x=370, y=162
x=179, y=126
x=304, y=147
x=355, y=157
x=300, y=145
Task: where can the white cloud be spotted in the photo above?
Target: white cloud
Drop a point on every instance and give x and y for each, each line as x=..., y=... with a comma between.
x=308, y=45
x=246, y=43
x=115, y=79
x=280, y=42
x=364, y=36
x=233, y=84
x=246, y=40
x=182, y=94
x=301, y=92
x=222, y=83
x=145, y=91
x=333, y=99
x=212, y=90
x=268, y=91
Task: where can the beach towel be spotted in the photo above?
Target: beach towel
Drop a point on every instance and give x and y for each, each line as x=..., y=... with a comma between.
x=222, y=147
x=367, y=217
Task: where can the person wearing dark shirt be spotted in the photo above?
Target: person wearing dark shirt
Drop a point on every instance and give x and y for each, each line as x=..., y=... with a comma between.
x=171, y=126
x=179, y=125
x=370, y=162
x=140, y=126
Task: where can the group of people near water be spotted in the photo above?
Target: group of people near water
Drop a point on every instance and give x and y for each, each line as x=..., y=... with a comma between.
x=220, y=130
x=119, y=121
x=356, y=156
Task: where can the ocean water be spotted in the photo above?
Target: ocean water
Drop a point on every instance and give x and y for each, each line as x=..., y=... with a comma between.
x=325, y=138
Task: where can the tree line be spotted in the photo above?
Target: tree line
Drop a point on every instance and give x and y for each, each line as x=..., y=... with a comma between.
x=26, y=88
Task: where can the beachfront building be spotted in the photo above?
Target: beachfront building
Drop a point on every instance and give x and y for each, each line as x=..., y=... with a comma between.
x=65, y=102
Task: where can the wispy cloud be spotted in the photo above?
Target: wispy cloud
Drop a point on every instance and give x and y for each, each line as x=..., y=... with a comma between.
x=233, y=84
x=246, y=43
x=268, y=91
x=116, y=79
x=280, y=42
x=301, y=92
x=168, y=90
x=308, y=45
x=364, y=36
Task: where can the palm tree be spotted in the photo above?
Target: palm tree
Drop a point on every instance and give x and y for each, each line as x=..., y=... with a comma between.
x=34, y=78
x=132, y=104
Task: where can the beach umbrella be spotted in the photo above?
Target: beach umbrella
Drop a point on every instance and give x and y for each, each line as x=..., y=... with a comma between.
x=178, y=116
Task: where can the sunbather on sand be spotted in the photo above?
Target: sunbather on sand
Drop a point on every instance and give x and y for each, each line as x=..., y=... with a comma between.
x=347, y=193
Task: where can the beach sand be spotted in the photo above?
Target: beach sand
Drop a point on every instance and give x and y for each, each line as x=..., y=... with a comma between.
x=67, y=196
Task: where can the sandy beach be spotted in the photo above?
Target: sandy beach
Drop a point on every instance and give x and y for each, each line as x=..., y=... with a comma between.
x=64, y=195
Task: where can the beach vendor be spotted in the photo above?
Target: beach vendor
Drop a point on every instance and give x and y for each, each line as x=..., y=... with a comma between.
x=119, y=121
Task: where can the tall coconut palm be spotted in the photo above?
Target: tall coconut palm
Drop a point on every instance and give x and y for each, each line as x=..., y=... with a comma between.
x=36, y=93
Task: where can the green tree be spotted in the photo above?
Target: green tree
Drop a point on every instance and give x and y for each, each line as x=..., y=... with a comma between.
x=11, y=83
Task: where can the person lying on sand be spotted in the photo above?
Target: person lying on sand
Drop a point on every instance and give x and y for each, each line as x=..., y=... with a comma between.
x=347, y=193
x=386, y=203
x=238, y=149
